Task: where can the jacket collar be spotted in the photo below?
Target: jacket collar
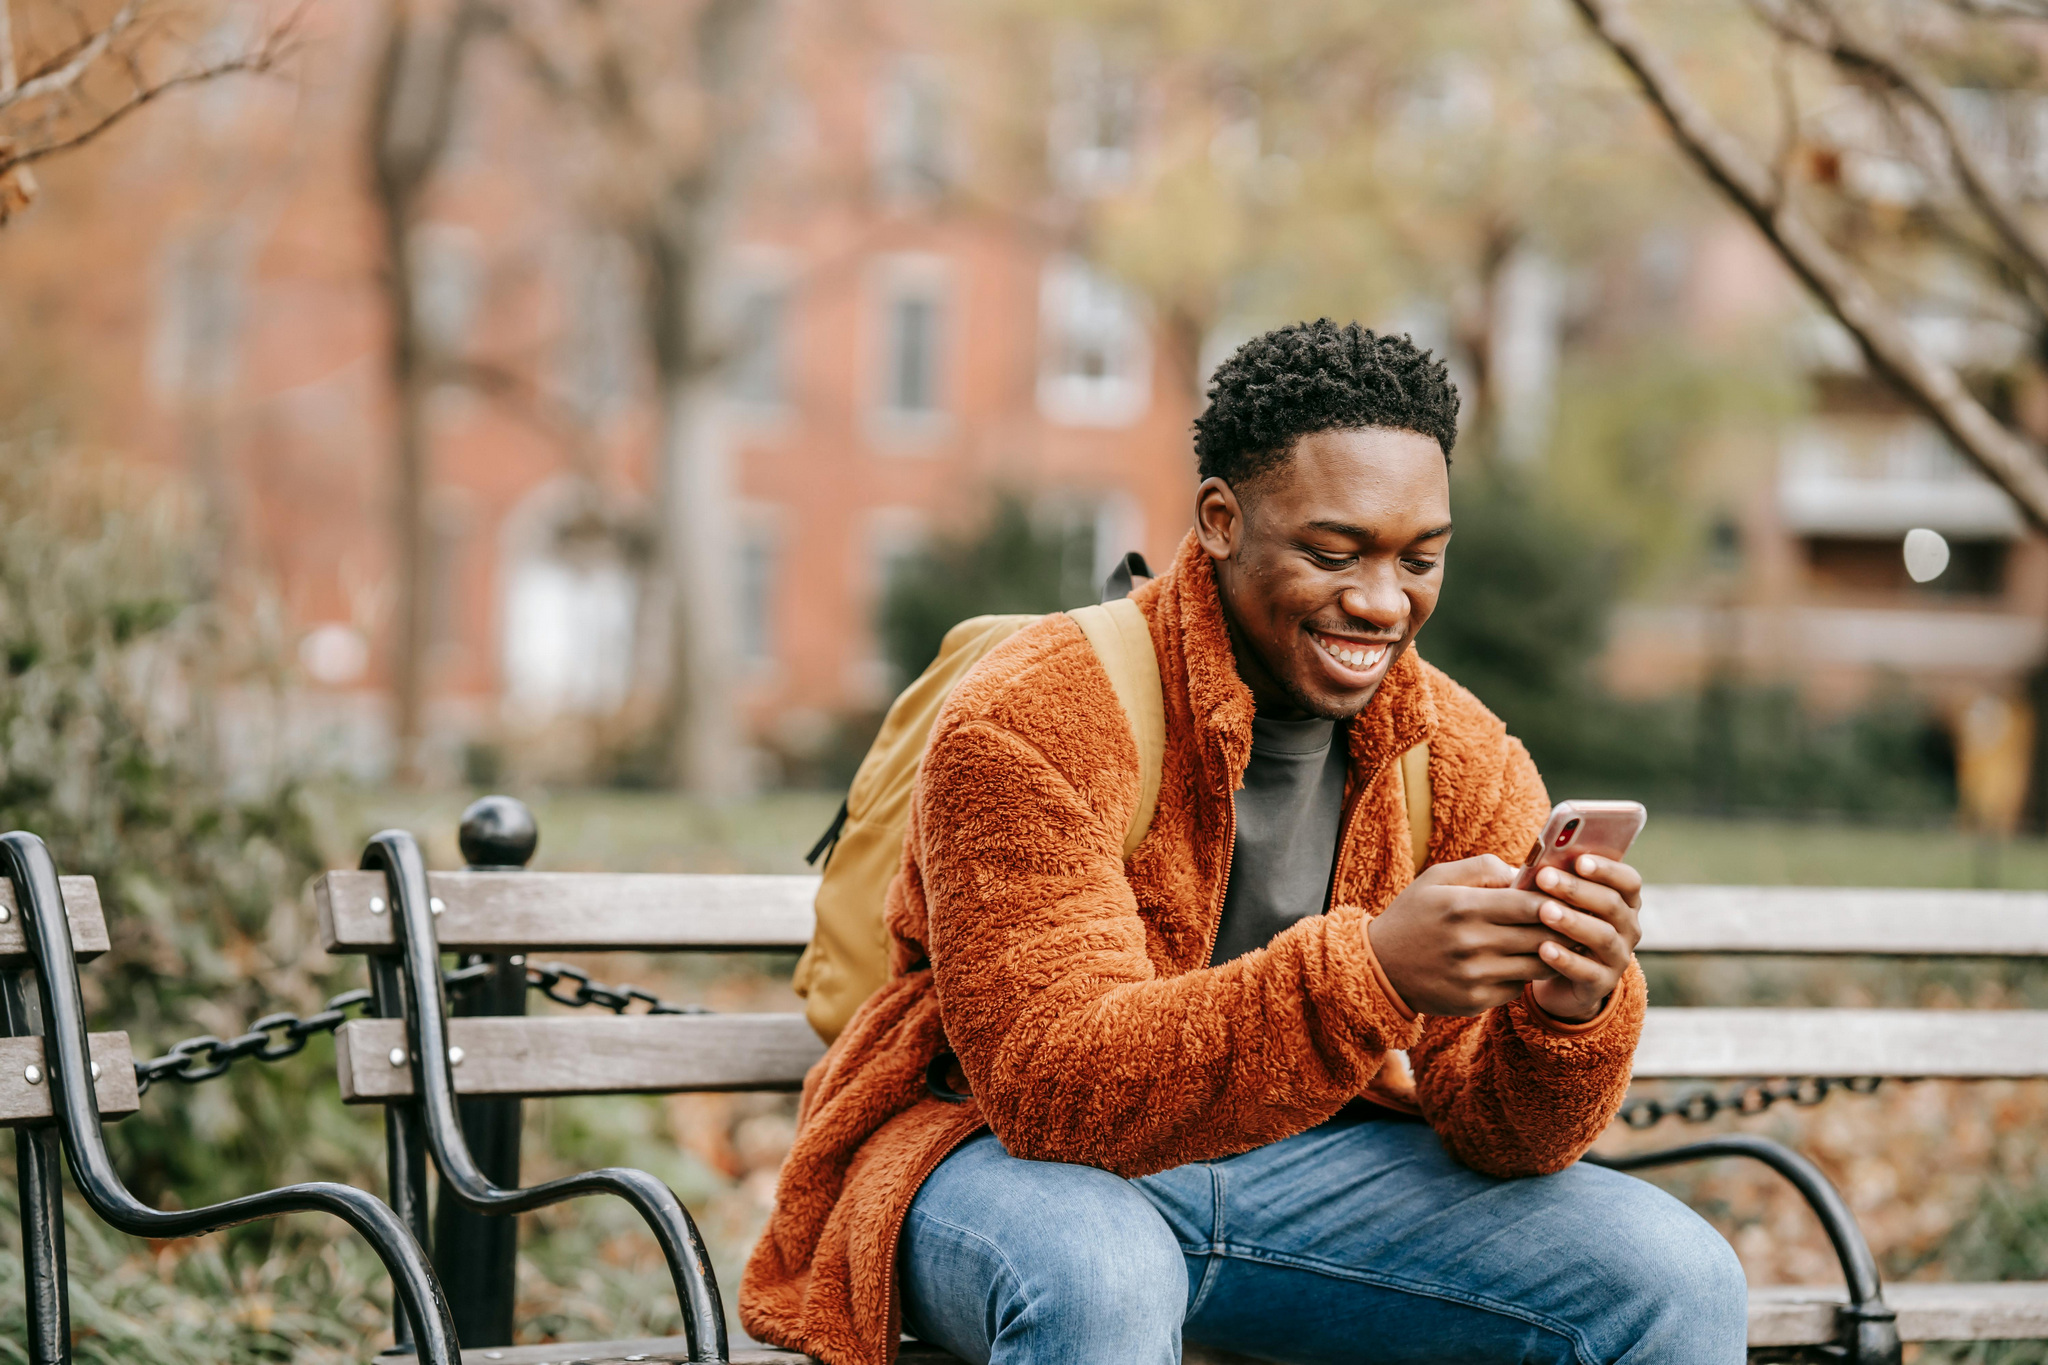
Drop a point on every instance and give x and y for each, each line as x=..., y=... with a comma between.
x=1403, y=712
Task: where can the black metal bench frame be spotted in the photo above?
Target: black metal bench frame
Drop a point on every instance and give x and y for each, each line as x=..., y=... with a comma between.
x=51, y=1007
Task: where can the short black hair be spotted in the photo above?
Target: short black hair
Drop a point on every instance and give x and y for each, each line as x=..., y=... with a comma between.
x=1316, y=376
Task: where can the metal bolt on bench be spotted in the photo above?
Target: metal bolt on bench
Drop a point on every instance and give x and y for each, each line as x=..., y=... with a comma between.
x=51, y=1010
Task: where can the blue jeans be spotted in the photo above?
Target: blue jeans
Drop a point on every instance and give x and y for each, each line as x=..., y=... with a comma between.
x=1354, y=1242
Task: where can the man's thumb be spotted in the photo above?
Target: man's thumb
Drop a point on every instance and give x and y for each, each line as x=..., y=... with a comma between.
x=1484, y=870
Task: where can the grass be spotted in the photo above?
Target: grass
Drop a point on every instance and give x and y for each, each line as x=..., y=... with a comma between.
x=1944, y=1176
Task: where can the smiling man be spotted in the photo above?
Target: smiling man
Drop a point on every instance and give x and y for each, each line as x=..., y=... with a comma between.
x=1259, y=1085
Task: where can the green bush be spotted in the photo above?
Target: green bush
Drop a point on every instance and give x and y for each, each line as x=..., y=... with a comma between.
x=106, y=752
x=1012, y=562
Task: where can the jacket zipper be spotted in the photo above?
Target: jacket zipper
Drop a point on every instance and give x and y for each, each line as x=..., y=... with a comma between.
x=891, y=1343
x=1344, y=842
x=1223, y=888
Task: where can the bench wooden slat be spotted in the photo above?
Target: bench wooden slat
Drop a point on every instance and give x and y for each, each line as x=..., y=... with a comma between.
x=1844, y=920
x=576, y=911
x=81, y=906
x=597, y=911
x=22, y=1103
x=658, y=1054
x=1779, y=1315
x=1804, y=1315
x=1733, y=1043
x=602, y=1055
x=654, y=1351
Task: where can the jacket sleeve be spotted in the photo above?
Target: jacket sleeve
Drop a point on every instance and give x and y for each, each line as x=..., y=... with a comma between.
x=1513, y=1091
x=1076, y=1048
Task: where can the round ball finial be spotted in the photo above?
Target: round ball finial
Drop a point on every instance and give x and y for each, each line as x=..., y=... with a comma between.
x=498, y=831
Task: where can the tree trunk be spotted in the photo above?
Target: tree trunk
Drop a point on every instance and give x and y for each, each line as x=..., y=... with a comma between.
x=699, y=731
x=412, y=110
x=696, y=732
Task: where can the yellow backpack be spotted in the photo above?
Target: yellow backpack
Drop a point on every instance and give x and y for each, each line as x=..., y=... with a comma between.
x=848, y=956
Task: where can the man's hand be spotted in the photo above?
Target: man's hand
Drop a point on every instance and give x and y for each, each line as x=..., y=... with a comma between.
x=1600, y=914
x=1460, y=941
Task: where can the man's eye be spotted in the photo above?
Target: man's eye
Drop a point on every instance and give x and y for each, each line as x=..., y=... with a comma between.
x=1420, y=565
x=1332, y=561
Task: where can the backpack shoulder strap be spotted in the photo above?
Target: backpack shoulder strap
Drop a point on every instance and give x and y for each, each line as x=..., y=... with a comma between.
x=1415, y=796
x=1123, y=642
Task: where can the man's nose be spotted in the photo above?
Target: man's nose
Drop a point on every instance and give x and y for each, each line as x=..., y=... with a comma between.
x=1377, y=600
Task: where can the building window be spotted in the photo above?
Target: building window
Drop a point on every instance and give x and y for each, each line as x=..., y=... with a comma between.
x=1095, y=366
x=199, y=321
x=911, y=355
x=447, y=284
x=756, y=584
x=909, y=133
x=757, y=375
x=1091, y=135
x=569, y=633
x=600, y=346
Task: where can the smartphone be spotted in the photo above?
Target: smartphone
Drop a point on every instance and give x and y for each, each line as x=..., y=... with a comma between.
x=1602, y=828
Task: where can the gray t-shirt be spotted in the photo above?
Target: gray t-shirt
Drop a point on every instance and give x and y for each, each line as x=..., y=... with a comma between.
x=1290, y=813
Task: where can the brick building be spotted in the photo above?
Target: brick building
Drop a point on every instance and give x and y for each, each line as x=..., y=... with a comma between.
x=200, y=291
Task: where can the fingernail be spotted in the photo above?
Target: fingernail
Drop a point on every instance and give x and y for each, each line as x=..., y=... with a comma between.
x=1547, y=878
x=1552, y=912
x=1588, y=865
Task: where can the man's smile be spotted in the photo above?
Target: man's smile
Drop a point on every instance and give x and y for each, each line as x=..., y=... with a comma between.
x=1355, y=662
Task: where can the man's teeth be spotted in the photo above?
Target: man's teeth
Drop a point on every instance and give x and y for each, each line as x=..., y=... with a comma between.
x=1354, y=658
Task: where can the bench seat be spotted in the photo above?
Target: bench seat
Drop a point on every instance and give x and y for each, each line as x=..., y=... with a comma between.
x=1779, y=1315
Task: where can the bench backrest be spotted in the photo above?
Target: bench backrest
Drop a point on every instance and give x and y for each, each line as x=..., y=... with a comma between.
x=24, y=1084
x=517, y=911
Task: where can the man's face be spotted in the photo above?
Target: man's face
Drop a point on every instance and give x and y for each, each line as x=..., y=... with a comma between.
x=1328, y=565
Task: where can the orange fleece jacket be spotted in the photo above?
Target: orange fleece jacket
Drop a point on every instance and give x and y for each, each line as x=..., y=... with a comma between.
x=1074, y=985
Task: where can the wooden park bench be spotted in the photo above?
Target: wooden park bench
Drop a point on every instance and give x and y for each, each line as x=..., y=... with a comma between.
x=452, y=1080
x=56, y=1085
x=493, y=915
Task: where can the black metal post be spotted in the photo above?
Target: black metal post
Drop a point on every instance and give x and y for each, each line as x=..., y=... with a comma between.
x=477, y=1253
x=397, y=855
x=26, y=863
x=405, y=1144
x=41, y=1180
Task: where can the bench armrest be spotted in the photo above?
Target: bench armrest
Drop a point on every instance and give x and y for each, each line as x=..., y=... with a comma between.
x=27, y=865
x=1869, y=1328
x=412, y=979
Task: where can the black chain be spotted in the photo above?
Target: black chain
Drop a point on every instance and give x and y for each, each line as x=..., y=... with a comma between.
x=1703, y=1106
x=275, y=1037
x=270, y=1039
x=547, y=977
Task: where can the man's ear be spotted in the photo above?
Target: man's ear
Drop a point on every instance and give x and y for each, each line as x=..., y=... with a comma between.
x=1219, y=519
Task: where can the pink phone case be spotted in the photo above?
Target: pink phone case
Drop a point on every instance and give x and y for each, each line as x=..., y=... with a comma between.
x=1602, y=828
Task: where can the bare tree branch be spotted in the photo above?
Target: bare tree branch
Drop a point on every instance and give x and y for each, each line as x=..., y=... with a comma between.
x=64, y=77
x=1861, y=53
x=9, y=74
x=2035, y=11
x=60, y=85
x=2010, y=461
x=146, y=93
